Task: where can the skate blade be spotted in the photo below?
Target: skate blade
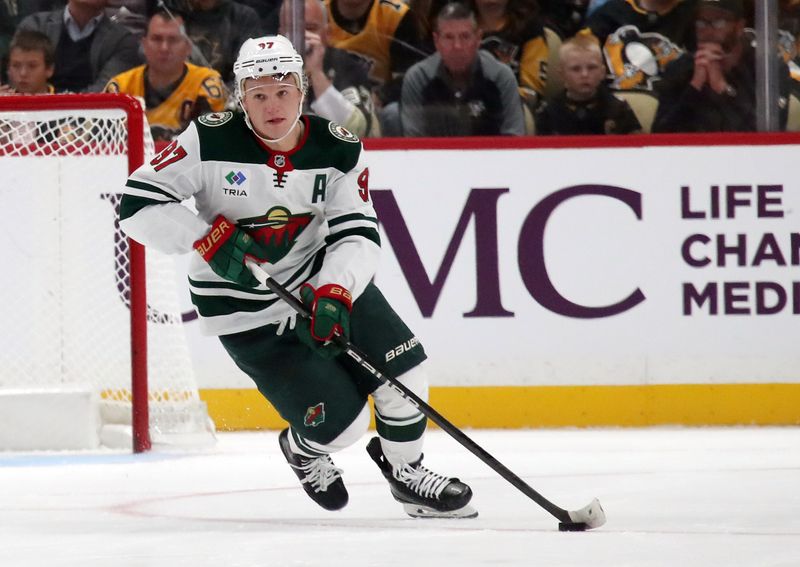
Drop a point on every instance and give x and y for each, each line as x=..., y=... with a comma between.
x=418, y=511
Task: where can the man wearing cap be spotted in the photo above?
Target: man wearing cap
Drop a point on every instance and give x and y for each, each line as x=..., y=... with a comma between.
x=714, y=89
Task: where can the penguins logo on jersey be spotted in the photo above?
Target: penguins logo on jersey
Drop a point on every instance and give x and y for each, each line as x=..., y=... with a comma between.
x=342, y=133
x=277, y=231
x=215, y=118
x=637, y=59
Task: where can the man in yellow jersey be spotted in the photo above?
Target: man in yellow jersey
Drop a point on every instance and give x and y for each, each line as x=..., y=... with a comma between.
x=174, y=91
x=384, y=32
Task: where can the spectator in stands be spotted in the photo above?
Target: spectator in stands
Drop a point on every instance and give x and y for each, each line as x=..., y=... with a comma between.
x=513, y=33
x=30, y=64
x=174, y=91
x=641, y=37
x=382, y=31
x=8, y=23
x=90, y=48
x=586, y=106
x=460, y=90
x=714, y=89
x=339, y=84
x=132, y=14
x=217, y=28
x=789, y=39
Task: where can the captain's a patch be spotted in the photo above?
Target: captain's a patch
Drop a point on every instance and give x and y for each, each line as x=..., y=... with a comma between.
x=215, y=118
x=342, y=133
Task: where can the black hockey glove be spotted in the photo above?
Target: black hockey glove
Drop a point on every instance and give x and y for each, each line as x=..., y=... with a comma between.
x=330, y=307
x=226, y=247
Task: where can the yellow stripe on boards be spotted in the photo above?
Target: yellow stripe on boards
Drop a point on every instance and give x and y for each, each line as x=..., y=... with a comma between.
x=562, y=406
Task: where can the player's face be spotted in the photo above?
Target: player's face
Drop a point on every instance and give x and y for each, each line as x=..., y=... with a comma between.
x=165, y=47
x=582, y=72
x=457, y=41
x=27, y=71
x=272, y=104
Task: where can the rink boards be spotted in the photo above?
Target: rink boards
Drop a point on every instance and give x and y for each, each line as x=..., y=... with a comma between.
x=585, y=281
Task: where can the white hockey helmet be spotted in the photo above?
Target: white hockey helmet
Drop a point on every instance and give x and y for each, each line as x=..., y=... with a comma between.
x=265, y=56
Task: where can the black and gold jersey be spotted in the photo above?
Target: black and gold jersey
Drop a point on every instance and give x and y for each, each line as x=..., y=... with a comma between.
x=200, y=90
x=526, y=55
x=638, y=44
x=374, y=37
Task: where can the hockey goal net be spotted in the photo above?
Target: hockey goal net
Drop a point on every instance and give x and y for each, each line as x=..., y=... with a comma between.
x=92, y=351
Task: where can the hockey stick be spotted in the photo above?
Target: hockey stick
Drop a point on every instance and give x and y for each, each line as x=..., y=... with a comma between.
x=588, y=517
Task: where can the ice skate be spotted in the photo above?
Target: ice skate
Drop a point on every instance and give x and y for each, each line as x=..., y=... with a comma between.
x=321, y=480
x=423, y=493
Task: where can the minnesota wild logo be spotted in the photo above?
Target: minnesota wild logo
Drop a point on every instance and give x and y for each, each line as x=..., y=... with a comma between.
x=315, y=415
x=277, y=230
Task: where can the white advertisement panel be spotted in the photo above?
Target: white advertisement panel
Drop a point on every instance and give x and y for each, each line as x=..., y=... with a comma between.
x=607, y=265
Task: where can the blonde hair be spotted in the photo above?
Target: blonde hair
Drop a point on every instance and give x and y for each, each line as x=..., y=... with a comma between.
x=585, y=41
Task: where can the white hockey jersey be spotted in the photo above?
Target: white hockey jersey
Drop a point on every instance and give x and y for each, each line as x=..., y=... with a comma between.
x=310, y=207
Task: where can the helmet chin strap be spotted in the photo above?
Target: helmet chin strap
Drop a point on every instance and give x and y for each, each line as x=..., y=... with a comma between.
x=269, y=140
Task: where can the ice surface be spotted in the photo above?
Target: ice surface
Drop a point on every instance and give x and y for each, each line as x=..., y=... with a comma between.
x=709, y=497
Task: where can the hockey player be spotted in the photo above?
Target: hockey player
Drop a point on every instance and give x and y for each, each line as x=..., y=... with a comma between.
x=291, y=192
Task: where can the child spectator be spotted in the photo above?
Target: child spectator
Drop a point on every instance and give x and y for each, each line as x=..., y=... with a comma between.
x=30, y=64
x=585, y=106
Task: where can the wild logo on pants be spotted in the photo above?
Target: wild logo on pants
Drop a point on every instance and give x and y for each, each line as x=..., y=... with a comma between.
x=315, y=415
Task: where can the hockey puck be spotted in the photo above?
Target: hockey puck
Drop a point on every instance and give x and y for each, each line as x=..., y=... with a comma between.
x=572, y=526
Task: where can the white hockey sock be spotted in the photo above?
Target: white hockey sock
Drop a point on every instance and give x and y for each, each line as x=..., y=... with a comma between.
x=395, y=413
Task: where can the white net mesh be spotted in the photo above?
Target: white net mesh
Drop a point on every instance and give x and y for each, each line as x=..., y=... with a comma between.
x=66, y=284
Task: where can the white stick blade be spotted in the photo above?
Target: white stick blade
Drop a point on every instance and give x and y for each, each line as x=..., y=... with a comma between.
x=592, y=515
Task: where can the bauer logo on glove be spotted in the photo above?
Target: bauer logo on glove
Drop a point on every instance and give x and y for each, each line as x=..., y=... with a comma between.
x=226, y=247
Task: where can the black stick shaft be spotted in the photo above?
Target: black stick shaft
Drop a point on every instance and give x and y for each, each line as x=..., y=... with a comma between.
x=356, y=354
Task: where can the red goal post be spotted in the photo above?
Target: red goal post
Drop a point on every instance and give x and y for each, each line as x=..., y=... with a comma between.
x=86, y=132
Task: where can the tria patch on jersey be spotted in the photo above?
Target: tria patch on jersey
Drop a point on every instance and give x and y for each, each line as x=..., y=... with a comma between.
x=236, y=179
x=215, y=118
x=342, y=133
